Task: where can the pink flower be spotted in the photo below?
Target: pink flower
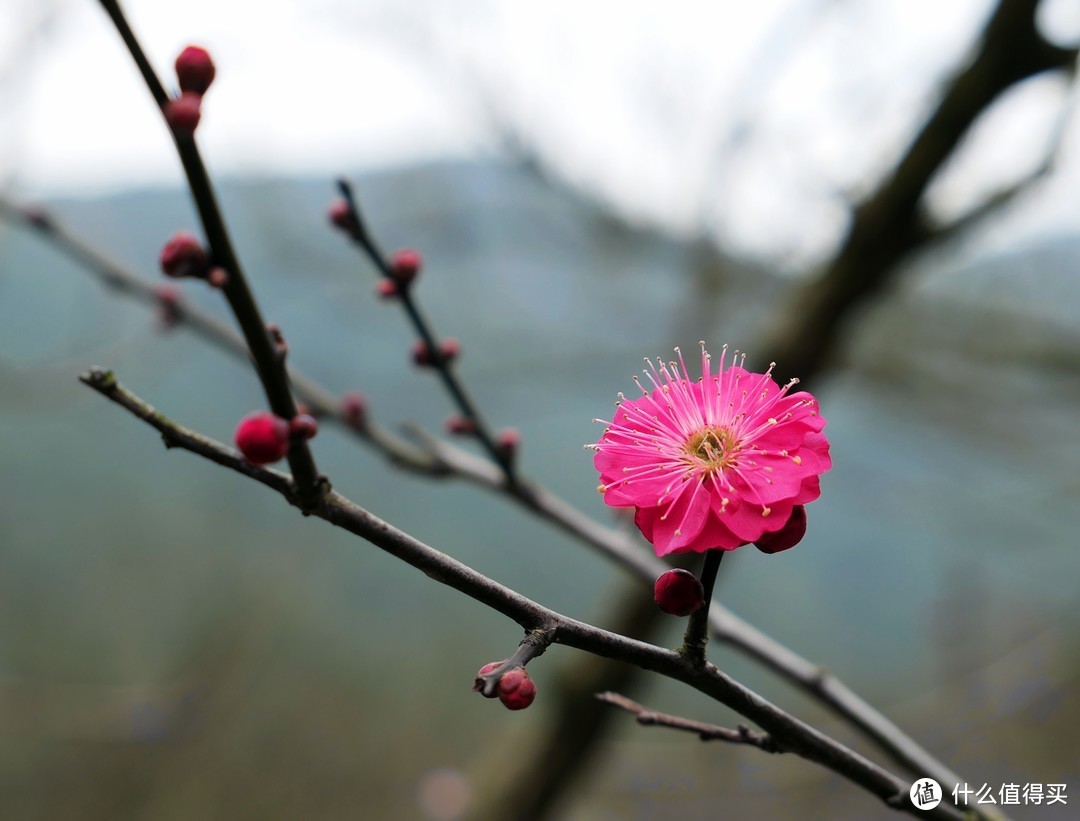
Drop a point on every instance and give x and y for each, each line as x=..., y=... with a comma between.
x=715, y=463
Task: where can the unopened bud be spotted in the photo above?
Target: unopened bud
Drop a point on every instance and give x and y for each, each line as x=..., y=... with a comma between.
x=168, y=297
x=341, y=215
x=479, y=682
x=508, y=440
x=678, y=592
x=516, y=690
x=786, y=537
x=262, y=437
x=450, y=349
x=303, y=426
x=353, y=409
x=387, y=289
x=183, y=113
x=460, y=426
x=217, y=277
x=184, y=256
x=405, y=265
x=195, y=70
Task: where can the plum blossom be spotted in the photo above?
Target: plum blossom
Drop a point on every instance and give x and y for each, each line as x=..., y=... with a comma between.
x=715, y=463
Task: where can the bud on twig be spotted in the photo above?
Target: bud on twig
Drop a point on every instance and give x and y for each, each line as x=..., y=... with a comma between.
x=387, y=289
x=460, y=426
x=195, y=70
x=183, y=113
x=786, y=537
x=508, y=440
x=184, y=256
x=679, y=592
x=421, y=353
x=262, y=437
x=478, y=684
x=516, y=690
x=168, y=297
x=405, y=265
x=303, y=426
x=353, y=409
x=341, y=216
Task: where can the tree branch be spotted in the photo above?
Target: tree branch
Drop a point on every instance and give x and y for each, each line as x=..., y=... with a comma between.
x=362, y=237
x=706, y=732
x=438, y=458
x=889, y=224
x=787, y=731
x=269, y=365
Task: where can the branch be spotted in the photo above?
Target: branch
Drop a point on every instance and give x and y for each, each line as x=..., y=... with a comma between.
x=889, y=224
x=269, y=364
x=706, y=732
x=787, y=731
x=361, y=236
x=438, y=458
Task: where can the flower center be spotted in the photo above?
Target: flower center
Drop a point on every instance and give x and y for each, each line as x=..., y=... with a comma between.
x=713, y=448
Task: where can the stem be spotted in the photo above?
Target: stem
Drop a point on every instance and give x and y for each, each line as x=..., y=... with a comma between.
x=269, y=363
x=697, y=630
x=424, y=329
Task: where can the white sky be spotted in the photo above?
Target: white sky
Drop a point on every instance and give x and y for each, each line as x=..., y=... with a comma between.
x=752, y=119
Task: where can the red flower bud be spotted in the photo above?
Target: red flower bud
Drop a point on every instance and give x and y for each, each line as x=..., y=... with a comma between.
x=184, y=256
x=679, y=592
x=516, y=690
x=303, y=426
x=195, y=70
x=787, y=536
x=460, y=426
x=341, y=215
x=405, y=265
x=353, y=409
x=450, y=349
x=262, y=437
x=217, y=277
x=478, y=684
x=421, y=354
x=183, y=113
x=168, y=297
x=508, y=440
x=387, y=289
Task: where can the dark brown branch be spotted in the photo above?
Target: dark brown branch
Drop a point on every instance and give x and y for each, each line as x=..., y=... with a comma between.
x=787, y=731
x=438, y=458
x=889, y=224
x=706, y=732
x=468, y=408
x=269, y=364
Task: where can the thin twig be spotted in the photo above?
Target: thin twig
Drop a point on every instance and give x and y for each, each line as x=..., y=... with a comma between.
x=697, y=628
x=788, y=732
x=269, y=363
x=706, y=732
x=468, y=408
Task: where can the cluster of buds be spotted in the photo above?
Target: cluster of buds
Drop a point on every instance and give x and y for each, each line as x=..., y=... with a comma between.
x=448, y=352
x=514, y=688
x=402, y=270
x=264, y=438
x=194, y=72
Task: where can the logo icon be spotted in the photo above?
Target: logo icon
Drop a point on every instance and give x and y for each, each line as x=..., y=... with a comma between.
x=925, y=793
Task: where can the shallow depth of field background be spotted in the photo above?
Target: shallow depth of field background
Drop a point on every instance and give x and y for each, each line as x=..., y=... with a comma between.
x=177, y=643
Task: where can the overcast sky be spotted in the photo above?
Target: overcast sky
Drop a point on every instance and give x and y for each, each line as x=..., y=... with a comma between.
x=752, y=119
